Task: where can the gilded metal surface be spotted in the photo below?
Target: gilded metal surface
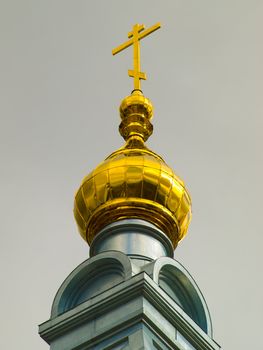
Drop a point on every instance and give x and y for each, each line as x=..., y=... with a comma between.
x=136, y=112
x=136, y=35
x=133, y=182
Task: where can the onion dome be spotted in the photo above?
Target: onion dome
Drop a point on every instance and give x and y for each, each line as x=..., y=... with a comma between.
x=133, y=182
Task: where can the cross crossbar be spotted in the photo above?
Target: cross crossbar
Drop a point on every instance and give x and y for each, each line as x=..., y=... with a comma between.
x=136, y=35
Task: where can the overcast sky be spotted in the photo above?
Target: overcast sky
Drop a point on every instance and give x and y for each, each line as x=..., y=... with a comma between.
x=60, y=89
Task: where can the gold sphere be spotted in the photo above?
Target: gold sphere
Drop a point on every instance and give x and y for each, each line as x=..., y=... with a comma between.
x=133, y=182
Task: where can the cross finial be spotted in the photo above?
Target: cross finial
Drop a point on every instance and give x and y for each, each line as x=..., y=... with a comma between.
x=136, y=35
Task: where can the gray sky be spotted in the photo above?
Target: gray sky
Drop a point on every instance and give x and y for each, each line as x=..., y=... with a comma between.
x=60, y=91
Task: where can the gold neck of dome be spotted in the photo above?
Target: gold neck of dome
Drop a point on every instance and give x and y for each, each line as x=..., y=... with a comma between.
x=136, y=112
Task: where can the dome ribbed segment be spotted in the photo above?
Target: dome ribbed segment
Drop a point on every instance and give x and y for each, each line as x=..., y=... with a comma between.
x=133, y=183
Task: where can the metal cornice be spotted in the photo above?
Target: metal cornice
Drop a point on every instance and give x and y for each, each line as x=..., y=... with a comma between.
x=139, y=285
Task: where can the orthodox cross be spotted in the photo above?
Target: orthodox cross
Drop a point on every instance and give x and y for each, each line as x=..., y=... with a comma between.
x=136, y=35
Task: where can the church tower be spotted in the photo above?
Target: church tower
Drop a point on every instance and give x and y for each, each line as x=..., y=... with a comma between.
x=132, y=210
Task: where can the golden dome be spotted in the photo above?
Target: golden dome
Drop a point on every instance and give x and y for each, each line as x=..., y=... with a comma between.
x=133, y=182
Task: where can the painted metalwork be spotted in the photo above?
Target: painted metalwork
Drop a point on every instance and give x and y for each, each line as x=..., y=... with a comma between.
x=107, y=299
x=138, y=32
x=136, y=238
